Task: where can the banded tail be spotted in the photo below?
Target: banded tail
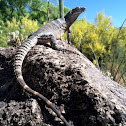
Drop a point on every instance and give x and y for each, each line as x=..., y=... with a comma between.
x=19, y=57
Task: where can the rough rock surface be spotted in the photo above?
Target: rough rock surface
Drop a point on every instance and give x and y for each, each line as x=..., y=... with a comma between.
x=70, y=81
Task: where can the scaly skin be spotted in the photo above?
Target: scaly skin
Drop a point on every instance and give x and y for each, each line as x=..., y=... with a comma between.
x=50, y=32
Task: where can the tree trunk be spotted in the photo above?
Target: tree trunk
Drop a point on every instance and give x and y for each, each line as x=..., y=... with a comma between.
x=61, y=8
x=48, y=12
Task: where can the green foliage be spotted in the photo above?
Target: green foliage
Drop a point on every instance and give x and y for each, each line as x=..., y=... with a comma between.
x=13, y=8
x=25, y=28
x=84, y=32
x=101, y=35
x=34, y=9
x=39, y=9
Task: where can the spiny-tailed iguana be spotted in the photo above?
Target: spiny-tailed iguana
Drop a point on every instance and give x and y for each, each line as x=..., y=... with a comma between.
x=50, y=32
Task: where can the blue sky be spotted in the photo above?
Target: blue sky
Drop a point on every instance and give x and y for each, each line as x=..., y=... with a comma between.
x=114, y=8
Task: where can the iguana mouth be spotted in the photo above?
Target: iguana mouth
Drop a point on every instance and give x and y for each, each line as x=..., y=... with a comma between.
x=78, y=10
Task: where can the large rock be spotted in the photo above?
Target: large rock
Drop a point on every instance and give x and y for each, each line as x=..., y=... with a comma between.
x=70, y=81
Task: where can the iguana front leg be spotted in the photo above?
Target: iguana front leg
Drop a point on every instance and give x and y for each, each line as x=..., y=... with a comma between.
x=69, y=35
x=55, y=46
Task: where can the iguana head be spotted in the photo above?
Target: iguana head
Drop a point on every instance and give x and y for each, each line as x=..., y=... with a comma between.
x=73, y=14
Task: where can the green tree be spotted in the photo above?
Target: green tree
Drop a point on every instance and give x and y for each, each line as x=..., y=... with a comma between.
x=13, y=8
x=42, y=11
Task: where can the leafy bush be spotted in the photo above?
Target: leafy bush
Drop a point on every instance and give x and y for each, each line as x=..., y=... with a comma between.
x=25, y=28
